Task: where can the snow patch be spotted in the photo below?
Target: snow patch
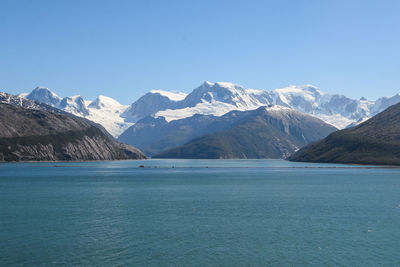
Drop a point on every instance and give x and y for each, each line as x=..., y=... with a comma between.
x=215, y=108
x=107, y=112
x=174, y=96
x=23, y=95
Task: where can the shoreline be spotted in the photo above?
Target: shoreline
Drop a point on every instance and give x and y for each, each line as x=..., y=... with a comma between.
x=142, y=166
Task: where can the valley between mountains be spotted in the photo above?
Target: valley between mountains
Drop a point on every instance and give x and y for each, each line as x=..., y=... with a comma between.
x=217, y=120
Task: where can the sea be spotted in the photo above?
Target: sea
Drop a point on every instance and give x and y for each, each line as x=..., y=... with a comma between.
x=198, y=213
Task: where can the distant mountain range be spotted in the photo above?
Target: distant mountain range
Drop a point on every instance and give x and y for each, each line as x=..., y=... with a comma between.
x=219, y=98
x=103, y=110
x=223, y=120
x=267, y=132
x=376, y=141
x=216, y=99
x=32, y=130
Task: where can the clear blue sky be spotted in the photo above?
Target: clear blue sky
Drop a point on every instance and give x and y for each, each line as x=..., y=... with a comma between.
x=124, y=48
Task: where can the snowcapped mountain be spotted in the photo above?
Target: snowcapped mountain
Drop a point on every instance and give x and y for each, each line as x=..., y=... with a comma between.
x=108, y=112
x=112, y=115
x=73, y=104
x=216, y=99
x=151, y=103
x=103, y=110
x=337, y=110
x=228, y=93
x=23, y=102
x=221, y=97
x=44, y=95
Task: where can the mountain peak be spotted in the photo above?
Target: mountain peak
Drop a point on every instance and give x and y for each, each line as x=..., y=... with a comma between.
x=104, y=98
x=74, y=104
x=44, y=95
x=104, y=101
x=208, y=83
x=74, y=97
x=42, y=90
x=226, y=85
x=39, y=88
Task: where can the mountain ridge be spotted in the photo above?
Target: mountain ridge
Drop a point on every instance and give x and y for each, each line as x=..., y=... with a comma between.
x=267, y=132
x=217, y=99
x=154, y=135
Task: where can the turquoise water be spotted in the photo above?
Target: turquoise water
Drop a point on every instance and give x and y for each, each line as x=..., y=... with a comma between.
x=200, y=212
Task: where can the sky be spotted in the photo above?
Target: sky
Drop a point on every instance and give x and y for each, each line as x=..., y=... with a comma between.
x=123, y=49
